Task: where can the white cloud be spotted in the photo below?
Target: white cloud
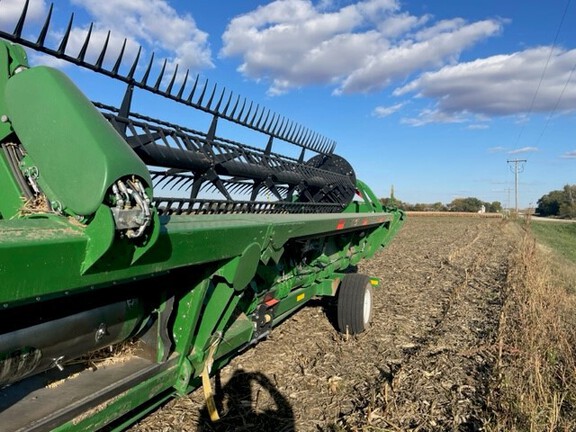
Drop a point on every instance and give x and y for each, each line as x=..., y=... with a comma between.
x=12, y=9
x=96, y=43
x=502, y=84
x=382, y=111
x=496, y=149
x=478, y=126
x=523, y=150
x=360, y=47
x=155, y=25
x=428, y=116
x=569, y=155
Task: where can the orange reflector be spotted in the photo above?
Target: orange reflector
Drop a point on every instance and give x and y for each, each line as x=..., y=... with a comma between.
x=271, y=302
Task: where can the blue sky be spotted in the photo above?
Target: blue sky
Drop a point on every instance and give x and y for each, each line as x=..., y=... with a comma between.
x=432, y=97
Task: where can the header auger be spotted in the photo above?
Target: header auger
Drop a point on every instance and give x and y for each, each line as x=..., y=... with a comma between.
x=118, y=228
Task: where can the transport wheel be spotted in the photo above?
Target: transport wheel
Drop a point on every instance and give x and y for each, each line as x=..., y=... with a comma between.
x=354, y=307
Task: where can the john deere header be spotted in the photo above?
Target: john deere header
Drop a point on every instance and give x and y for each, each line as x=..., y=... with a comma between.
x=118, y=228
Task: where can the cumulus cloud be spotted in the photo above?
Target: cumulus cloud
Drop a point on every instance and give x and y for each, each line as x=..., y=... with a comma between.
x=502, y=84
x=153, y=25
x=360, y=47
x=157, y=25
x=98, y=37
x=12, y=9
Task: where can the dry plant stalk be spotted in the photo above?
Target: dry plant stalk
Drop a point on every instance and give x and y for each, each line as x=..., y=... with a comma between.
x=112, y=354
x=35, y=205
x=535, y=377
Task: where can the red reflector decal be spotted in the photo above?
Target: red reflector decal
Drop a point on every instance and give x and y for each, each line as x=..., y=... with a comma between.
x=271, y=302
x=340, y=225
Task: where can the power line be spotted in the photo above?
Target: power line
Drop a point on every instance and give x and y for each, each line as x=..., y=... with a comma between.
x=556, y=105
x=544, y=70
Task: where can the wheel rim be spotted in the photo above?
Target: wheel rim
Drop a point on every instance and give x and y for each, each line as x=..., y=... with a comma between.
x=367, y=306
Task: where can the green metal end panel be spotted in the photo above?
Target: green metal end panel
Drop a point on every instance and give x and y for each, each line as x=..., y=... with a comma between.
x=78, y=153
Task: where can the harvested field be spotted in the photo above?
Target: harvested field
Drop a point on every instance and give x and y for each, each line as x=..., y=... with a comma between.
x=427, y=363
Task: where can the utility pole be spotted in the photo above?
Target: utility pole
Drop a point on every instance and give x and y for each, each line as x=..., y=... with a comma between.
x=518, y=168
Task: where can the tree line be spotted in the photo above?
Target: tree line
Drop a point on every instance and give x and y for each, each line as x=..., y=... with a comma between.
x=470, y=204
x=558, y=203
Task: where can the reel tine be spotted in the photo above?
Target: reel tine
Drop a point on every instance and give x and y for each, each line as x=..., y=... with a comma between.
x=248, y=113
x=21, y=20
x=241, y=109
x=217, y=109
x=317, y=144
x=265, y=120
x=306, y=138
x=289, y=136
x=62, y=48
x=160, y=76
x=228, y=103
x=325, y=144
x=255, y=114
x=297, y=132
x=181, y=91
x=44, y=31
x=278, y=126
x=211, y=96
x=288, y=126
x=301, y=133
x=201, y=98
x=189, y=100
x=84, y=48
x=119, y=59
x=171, y=83
x=185, y=183
x=147, y=73
x=275, y=119
x=100, y=60
x=130, y=75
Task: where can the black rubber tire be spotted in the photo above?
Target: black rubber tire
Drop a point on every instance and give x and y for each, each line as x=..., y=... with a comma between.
x=354, y=307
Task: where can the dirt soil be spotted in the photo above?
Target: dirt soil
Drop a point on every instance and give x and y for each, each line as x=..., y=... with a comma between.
x=425, y=363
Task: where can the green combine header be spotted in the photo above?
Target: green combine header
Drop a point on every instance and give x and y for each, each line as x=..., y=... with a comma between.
x=118, y=229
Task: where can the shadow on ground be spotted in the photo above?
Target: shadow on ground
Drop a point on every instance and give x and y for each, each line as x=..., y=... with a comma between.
x=237, y=403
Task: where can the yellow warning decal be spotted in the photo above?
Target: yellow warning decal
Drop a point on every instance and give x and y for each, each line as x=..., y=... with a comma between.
x=300, y=297
x=374, y=282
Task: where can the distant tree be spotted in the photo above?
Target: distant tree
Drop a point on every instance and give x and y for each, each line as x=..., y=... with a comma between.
x=568, y=206
x=561, y=203
x=419, y=207
x=494, y=207
x=393, y=202
x=388, y=202
x=459, y=204
x=438, y=206
x=466, y=205
x=568, y=210
x=549, y=204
